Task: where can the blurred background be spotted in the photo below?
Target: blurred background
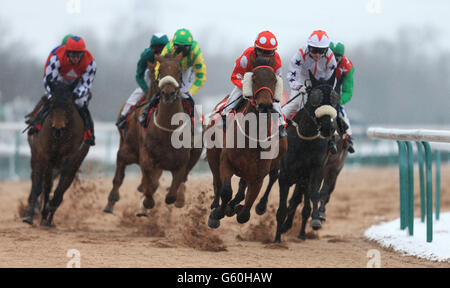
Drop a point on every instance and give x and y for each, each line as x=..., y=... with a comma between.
x=400, y=50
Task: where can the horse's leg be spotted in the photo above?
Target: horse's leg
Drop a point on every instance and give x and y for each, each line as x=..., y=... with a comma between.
x=178, y=177
x=243, y=215
x=217, y=184
x=226, y=192
x=124, y=158
x=240, y=195
x=150, y=183
x=328, y=186
x=36, y=189
x=47, y=188
x=314, y=186
x=306, y=212
x=68, y=172
x=262, y=205
x=295, y=200
x=282, y=208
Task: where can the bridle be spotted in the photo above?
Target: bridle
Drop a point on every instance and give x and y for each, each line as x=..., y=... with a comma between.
x=253, y=100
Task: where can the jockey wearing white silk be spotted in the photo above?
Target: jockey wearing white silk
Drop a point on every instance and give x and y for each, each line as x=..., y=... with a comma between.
x=315, y=57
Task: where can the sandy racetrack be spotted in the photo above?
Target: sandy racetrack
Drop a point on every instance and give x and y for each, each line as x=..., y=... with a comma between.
x=173, y=237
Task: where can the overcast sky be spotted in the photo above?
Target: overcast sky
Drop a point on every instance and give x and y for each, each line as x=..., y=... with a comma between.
x=227, y=23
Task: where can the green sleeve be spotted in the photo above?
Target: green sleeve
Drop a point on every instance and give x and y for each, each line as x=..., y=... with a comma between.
x=146, y=56
x=347, y=87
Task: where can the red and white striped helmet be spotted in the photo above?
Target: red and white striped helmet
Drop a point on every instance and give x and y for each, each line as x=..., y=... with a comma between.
x=319, y=39
x=266, y=41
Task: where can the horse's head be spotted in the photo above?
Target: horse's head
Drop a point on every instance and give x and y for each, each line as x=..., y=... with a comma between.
x=170, y=77
x=322, y=103
x=61, y=106
x=263, y=84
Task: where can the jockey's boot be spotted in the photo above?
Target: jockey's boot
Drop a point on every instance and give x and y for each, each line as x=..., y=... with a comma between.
x=88, y=137
x=332, y=149
x=30, y=116
x=39, y=118
x=153, y=102
x=121, y=123
x=348, y=143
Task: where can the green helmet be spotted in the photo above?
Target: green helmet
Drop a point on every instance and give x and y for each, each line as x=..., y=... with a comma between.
x=183, y=37
x=337, y=49
x=159, y=39
x=64, y=41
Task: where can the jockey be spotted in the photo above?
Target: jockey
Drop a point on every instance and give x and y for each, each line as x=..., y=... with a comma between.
x=265, y=46
x=29, y=116
x=69, y=63
x=193, y=69
x=317, y=58
x=344, y=85
x=157, y=43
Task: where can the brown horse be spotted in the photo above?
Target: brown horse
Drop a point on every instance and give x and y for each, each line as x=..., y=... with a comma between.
x=57, y=149
x=246, y=162
x=152, y=149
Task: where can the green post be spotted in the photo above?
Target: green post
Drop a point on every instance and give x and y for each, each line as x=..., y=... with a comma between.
x=438, y=183
x=420, y=157
x=428, y=162
x=410, y=191
x=403, y=166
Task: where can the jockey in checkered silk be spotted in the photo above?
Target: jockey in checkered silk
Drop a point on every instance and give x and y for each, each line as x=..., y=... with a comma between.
x=265, y=46
x=315, y=57
x=344, y=86
x=157, y=43
x=69, y=63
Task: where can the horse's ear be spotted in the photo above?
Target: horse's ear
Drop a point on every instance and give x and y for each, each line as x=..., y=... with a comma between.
x=332, y=79
x=312, y=78
x=179, y=56
x=73, y=86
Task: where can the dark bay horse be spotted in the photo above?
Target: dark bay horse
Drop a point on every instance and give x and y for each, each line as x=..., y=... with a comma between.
x=57, y=149
x=246, y=162
x=154, y=150
x=304, y=163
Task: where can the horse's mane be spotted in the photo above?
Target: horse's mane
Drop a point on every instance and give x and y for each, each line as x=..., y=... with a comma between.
x=62, y=95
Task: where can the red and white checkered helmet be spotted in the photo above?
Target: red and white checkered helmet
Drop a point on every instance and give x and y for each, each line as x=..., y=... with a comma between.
x=266, y=41
x=319, y=39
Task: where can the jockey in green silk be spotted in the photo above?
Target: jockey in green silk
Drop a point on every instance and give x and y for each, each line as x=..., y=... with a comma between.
x=344, y=86
x=157, y=43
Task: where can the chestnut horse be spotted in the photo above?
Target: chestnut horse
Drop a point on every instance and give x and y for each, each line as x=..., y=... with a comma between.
x=152, y=150
x=246, y=162
x=58, y=148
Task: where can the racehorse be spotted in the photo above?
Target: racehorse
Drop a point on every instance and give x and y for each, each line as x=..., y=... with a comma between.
x=58, y=148
x=246, y=162
x=307, y=155
x=152, y=148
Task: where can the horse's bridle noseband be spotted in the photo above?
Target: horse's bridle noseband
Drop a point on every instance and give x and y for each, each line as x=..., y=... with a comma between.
x=253, y=100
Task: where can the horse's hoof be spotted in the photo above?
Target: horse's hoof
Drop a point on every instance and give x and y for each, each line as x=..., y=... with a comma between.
x=229, y=211
x=217, y=213
x=302, y=236
x=322, y=216
x=238, y=208
x=109, y=209
x=243, y=217
x=170, y=199
x=285, y=227
x=179, y=204
x=316, y=224
x=213, y=223
x=47, y=224
x=28, y=219
x=260, y=208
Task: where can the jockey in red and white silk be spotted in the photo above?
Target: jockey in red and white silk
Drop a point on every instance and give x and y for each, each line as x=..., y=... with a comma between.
x=60, y=68
x=265, y=46
x=315, y=57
